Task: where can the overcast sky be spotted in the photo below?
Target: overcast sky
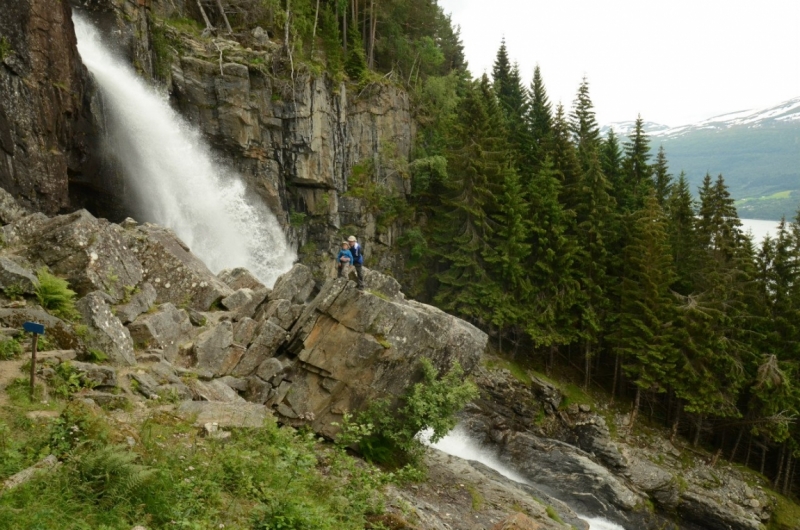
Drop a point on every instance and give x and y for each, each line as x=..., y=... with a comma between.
x=673, y=61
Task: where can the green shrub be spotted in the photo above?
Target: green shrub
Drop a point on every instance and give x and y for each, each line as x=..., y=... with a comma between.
x=432, y=404
x=9, y=349
x=55, y=295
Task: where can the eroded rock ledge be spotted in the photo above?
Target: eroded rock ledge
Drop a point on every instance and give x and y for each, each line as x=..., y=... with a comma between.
x=306, y=351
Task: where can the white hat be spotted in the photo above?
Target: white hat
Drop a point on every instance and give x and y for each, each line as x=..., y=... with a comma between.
x=351, y=238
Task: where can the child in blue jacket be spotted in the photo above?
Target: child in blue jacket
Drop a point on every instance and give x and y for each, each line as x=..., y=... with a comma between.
x=344, y=258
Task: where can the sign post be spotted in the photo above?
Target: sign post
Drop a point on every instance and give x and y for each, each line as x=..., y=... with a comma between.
x=36, y=330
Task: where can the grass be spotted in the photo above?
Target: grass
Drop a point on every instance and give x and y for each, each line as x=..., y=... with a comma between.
x=786, y=516
x=516, y=369
x=267, y=478
x=553, y=514
x=476, y=496
x=9, y=349
x=378, y=294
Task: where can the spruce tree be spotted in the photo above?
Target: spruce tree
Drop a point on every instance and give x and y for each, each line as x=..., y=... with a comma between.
x=645, y=339
x=540, y=119
x=638, y=171
x=553, y=301
x=662, y=180
x=682, y=235
x=583, y=126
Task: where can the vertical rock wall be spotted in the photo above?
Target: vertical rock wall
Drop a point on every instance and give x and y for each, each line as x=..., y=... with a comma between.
x=45, y=124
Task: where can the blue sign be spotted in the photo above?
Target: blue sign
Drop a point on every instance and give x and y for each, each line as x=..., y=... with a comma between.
x=33, y=327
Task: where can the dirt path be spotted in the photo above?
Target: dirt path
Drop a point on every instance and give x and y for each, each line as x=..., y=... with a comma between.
x=9, y=371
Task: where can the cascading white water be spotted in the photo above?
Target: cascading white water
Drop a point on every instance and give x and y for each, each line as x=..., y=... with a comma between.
x=172, y=176
x=459, y=443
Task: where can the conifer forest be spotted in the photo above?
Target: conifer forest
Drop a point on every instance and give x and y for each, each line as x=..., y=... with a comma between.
x=578, y=251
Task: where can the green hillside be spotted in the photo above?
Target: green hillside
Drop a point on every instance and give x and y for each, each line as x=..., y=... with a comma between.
x=761, y=165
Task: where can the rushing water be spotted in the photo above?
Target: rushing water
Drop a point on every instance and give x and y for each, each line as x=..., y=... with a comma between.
x=459, y=443
x=172, y=176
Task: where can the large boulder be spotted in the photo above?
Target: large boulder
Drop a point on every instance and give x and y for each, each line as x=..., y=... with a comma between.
x=165, y=329
x=90, y=253
x=295, y=286
x=15, y=276
x=350, y=348
x=105, y=332
x=56, y=330
x=139, y=303
x=178, y=276
x=240, y=278
x=215, y=351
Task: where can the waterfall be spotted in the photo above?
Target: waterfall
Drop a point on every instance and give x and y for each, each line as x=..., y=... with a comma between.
x=459, y=443
x=170, y=176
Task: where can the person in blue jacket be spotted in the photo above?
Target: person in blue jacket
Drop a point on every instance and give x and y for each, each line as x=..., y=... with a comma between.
x=358, y=259
x=344, y=258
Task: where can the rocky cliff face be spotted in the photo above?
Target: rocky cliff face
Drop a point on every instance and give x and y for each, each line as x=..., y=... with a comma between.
x=46, y=129
x=293, y=134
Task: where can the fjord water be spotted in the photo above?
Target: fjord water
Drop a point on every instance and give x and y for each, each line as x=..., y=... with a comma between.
x=171, y=176
x=459, y=443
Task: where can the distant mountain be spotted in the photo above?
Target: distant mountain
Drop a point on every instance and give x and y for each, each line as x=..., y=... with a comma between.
x=756, y=151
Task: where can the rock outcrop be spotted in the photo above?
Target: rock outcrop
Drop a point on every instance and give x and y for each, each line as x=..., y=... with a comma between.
x=46, y=128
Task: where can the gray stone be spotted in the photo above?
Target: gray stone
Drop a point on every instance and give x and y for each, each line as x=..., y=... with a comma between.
x=240, y=278
x=214, y=390
x=91, y=253
x=95, y=374
x=46, y=464
x=165, y=329
x=215, y=351
x=164, y=373
x=258, y=391
x=235, y=383
x=178, y=276
x=12, y=275
x=108, y=400
x=295, y=286
x=175, y=391
x=269, y=368
x=106, y=333
x=243, y=303
x=145, y=384
x=10, y=210
x=244, y=331
x=56, y=330
x=244, y=414
x=279, y=310
x=266, y=344
x=139, y=303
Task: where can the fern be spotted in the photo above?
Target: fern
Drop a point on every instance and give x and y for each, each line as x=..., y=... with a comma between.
x=55, y=295
x=111, y=472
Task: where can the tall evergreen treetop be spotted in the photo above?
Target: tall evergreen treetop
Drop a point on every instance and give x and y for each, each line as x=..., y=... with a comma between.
x=583, y=125
x=540, y=116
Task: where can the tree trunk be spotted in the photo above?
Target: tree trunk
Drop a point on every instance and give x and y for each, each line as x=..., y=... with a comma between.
x=553, y=349
x=287, y=24
x=314, y=32
x=716, y=456
x=587, y=366
x=224, y=17
x=374, y=23
x=763, y=456
x=697, y=433
x=614, y=378
x=675, y=426
x=736, y=445
x=781, y=461
x=635, y=411
x=344, y=32
x=749, y=450
x=788, y=475
x=205, y=17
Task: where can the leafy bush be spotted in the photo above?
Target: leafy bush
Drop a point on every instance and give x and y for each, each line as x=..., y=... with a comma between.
x=9, y=349
x=391, y=436
x=55, y=295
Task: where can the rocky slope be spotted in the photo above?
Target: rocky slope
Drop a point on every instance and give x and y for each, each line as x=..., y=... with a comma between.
x=568, y=452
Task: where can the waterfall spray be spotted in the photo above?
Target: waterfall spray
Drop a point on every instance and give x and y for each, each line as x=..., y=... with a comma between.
x=172, y=177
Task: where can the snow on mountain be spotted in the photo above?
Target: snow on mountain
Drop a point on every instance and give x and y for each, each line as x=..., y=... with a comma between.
x=786, y=111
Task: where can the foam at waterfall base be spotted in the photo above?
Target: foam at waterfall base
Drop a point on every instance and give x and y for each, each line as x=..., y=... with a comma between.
x=170, y=176
x=460, y=444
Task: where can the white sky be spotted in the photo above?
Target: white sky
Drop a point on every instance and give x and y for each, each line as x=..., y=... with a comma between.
x=673, y=61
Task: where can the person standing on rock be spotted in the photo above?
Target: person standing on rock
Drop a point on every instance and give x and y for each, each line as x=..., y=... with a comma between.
x=358, y=260
x=343, y=259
